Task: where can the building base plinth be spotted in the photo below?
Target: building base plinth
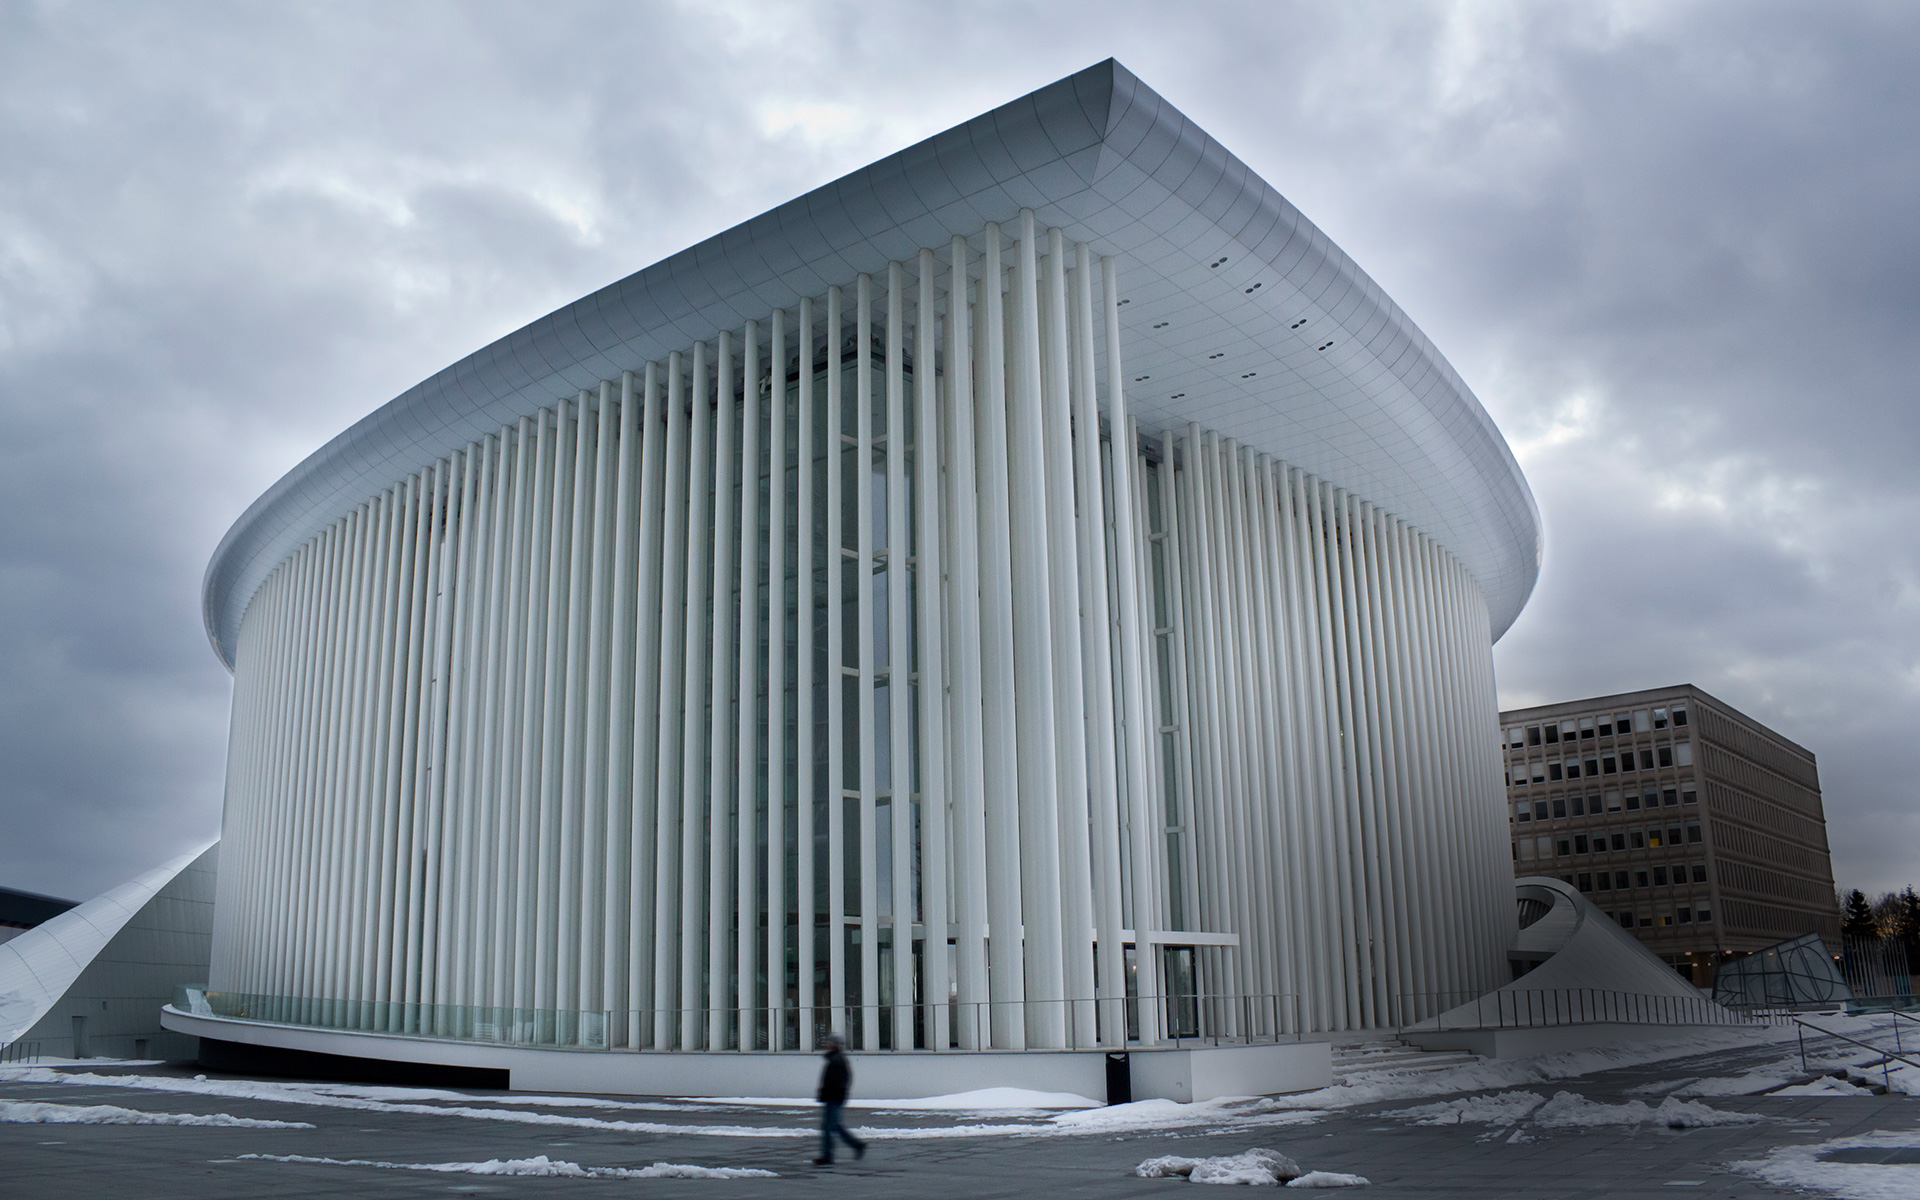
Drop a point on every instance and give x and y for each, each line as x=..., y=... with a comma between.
x=1185, y=1074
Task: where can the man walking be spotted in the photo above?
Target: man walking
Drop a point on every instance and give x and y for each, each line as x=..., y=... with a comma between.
x=835, y=1078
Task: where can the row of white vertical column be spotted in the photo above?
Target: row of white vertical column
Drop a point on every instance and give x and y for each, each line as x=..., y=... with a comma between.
x=836, y=673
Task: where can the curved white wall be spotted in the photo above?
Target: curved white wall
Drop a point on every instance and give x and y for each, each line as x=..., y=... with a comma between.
x=553, y=741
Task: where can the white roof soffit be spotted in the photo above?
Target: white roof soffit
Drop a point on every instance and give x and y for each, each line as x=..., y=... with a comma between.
x=1105, y=159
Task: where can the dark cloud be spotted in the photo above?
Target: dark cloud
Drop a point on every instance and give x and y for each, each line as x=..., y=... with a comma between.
x=1671, y=246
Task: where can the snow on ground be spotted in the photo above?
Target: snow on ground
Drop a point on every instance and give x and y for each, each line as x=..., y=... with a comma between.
x=1257, y=1166
x=540, y=1164
x=995, y=1099
x=1801, y=1167
x=1569, y=1110
x=1505, y=1108
x=28, y=1112
x=1327, y=1179
x=1172, y=1114
x=1826, y=1085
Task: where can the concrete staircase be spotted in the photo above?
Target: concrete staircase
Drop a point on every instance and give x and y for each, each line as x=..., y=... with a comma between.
x=1391, y=1056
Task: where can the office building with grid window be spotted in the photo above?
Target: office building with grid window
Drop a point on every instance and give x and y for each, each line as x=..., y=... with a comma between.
x=1034, y=593
x=1687, y=821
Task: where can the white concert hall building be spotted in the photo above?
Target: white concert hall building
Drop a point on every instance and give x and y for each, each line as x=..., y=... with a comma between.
x=1035, y=593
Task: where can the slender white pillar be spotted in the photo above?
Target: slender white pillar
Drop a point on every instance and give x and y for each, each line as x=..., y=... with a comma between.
x=932, y=758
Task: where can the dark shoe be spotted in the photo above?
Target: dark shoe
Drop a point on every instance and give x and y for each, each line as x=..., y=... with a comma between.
x=822, y=1162
x=859, y=1151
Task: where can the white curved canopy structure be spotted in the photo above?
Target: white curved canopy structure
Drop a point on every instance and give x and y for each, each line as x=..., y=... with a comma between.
x=1240, y=315
x=45, y=966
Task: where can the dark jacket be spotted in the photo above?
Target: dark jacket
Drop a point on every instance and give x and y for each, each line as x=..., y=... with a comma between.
x=835, y=1078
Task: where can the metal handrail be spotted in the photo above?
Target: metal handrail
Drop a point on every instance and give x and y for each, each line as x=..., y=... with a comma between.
x=19, y=1052
x=1886, y=1055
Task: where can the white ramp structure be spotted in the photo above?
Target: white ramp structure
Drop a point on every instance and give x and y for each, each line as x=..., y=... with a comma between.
x=90, y=983
x=1035, y=592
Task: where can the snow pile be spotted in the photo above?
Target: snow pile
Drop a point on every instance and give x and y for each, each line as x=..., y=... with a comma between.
x=1326, y=1179
x=1801, y=1167
x=539, y=1164
x=1569, y=1110
x=1752, y=1083
x=28, y=1112
x=1507, y=1108
x=993, y=1099
x=1826, y=1085
x=1257, y=1166
x=1171, y=1114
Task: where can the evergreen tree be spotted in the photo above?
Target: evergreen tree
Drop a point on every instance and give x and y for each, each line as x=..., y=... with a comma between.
x=1856, y=916
x=1906, y=923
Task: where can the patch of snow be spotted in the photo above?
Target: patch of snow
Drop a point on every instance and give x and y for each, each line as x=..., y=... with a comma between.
x=1327, y=1179
x=1232, y=1111
x=32, y=1112
x=1826, y=1085
x=540, y=1164
x=1258, y=1166
x=995, y=1099
x=1801, y=1167
x=1506, y=1108
x=1569, y=1110
x=1752, y=1083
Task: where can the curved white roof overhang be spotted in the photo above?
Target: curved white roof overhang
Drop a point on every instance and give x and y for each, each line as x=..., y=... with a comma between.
x=1105, y=159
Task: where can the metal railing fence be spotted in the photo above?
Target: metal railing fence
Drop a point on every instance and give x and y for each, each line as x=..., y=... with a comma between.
x=19, y=1052
x=1545, y=1007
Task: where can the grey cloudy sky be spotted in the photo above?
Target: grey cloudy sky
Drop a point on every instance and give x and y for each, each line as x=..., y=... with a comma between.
x=1674, y=247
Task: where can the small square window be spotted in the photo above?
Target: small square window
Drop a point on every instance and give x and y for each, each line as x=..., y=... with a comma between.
x=1539, y=810
x=1579, y=843
x=1699, y=872
x=1659, y=877
x=1553, y=772
x=1659, y=718
x=1603, y=881
x=1640, y=722
x=1577, y=806
x=1633, y=801
x=1533, y=735
x=1593, y=767
x=1620, y=880
x=1626, y=759
x=1693, y=832
x=1553, y=735
x=1674, y=835
x=1666, y=755
x=1586, y=883
x=1683, y=753
x=1687, y=794
x=1646, y=922
x=1623, y=723
x=1606, y=727
x=1523, y=811
x=1613, y=801
x=1637, y=839
x=1666, y=919
x=1651, y=796
x=1704, y=916
x=1679, y=715
x=1670, y=797
x=1586, y=727
x=1626, y=920
x=1619, y=841
x=1563, y=847
x=1559, y=807
x=1653, y=839
x=1609, y=764
x=1523, y=849
x=1646, y=760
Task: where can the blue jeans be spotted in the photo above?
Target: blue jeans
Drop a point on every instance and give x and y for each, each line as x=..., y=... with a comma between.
x=830, y=1125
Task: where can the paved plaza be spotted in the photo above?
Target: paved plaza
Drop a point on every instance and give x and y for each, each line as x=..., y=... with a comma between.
x=373, y=1135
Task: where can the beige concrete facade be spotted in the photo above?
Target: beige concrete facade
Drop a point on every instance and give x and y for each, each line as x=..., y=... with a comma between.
x=1686, y=820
